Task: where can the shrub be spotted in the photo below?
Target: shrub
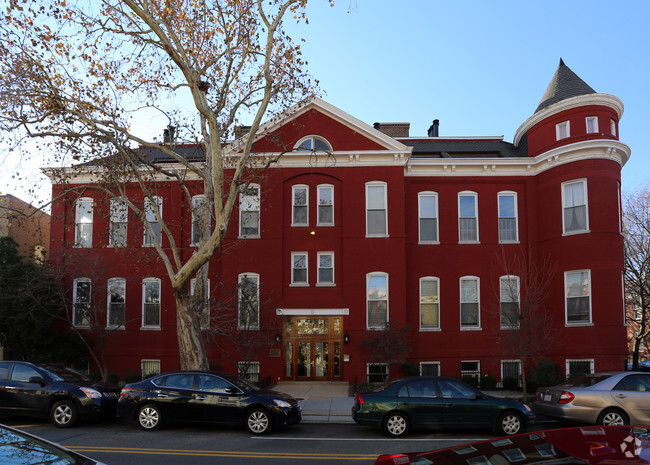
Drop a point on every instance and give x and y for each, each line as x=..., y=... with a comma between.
x=546, y=373
x=132, y=378
x=510, y=383
x=472, y=380
x=488, y=382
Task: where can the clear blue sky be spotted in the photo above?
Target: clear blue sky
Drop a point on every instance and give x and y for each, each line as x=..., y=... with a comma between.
x=479, y=67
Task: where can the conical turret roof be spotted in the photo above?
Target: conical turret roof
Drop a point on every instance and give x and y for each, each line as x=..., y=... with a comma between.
x=565, y=84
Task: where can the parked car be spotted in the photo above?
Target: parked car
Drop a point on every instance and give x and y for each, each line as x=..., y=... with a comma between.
x=60, y=393
x=204, y=396
x=618, y=398
x=610, y=445
x=20, y=448
x=437, y=402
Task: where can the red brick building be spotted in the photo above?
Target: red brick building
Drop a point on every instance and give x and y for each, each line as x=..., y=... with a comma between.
x=357, y=226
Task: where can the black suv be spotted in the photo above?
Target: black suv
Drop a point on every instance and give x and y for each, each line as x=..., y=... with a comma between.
x=60, y=393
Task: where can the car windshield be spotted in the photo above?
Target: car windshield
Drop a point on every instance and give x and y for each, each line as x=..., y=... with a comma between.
x=61, y=373
x=19, y=450
x=584, y=381
x=383, y=387
x=242, y=384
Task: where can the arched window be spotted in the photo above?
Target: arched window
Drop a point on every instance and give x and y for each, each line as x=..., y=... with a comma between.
x=315, y=143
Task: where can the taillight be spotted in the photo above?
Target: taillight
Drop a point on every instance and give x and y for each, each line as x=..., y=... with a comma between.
x=393, y=459
x=565, y=397
x=125, y=391
x=358, y=399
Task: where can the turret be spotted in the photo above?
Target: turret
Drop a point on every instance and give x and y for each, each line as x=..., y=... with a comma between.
x=570, y=111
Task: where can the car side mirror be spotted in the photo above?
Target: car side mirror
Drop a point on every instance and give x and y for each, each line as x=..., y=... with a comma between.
x=37, y=380
x=232, y=390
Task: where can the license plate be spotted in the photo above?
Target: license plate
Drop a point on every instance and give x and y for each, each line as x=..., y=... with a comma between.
x=546, y=397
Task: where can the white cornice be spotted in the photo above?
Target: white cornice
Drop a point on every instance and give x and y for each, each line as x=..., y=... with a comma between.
x=312, y=311
x=606, y=100
x=455, y=167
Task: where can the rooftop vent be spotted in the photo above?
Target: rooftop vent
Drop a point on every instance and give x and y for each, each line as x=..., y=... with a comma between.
x=433, y=129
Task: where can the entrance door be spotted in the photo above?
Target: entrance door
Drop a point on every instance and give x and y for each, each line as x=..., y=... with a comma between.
x=313, y=348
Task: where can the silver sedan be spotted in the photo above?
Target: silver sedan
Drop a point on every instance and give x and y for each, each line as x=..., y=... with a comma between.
x=617, y=398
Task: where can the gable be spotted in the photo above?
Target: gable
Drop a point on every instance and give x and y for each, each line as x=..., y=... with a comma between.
x=315, y=117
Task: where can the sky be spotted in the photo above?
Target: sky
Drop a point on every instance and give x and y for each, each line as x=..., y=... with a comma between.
x=480, y=67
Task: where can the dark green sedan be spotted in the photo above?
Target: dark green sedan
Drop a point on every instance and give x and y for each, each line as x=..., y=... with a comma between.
x=437, y=402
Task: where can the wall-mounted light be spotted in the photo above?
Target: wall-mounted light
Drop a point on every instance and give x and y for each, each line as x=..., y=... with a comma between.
x=312, y=232
x=277, y=338
x=346, y=338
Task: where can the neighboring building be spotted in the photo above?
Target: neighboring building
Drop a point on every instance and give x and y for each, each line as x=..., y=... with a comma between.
x=27, y=225
x=357, y=226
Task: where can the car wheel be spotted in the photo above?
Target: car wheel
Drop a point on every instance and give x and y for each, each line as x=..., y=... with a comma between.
x=150, y=418
x=509, y=423
x=613, y=417
x=64, y=414
x=396, y=424
x=258, y=421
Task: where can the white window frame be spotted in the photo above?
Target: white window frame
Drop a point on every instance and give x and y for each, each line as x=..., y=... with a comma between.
x=384, y=186
x=386, y=369
x=196, y=205
x=256, y=278
x=119, y=215
x=566, y=299
x=319, y=189
x=84, y=214
x=146, y=281
x=246, y=205
x=478, y=303
x=253, y=373
x=593, y=120
x=145, y=362
x=564, y=126
x=436, y=364
x=585, y=193
x=75, y=283
x=518, y=377
x=204, y=319
x=312, y=140
x=512, y=195
x=474, y=195
x=435, y=327
x=502, y=300
x=294, y=256
x=568, y=364
x=369, y=276
x=476, y=373
x=294, y=189
x=109, y=302
x=612, y=126
x=434, y=218
x=318, y=264
x=151, y=219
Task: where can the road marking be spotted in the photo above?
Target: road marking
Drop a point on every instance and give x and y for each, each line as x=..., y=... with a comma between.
x=463, y=440
x=218, y=453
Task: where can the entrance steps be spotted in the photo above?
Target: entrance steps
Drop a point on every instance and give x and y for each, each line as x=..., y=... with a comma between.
x=321, y=401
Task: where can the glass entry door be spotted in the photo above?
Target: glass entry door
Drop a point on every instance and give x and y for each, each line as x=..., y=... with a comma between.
x=313, y=348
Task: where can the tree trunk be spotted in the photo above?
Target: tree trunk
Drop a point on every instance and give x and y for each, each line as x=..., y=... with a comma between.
x=191, y=346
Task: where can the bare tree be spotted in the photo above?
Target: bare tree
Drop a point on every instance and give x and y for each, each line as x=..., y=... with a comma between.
x=389, y=345
x=75, y=76
x=526, y=332
x=235, y=323
x=636, y=231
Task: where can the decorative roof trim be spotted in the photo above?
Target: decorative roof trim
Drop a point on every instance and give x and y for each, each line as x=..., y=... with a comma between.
x=606, y=100
x=328, y=109
x=455, y=167
x=312, y=311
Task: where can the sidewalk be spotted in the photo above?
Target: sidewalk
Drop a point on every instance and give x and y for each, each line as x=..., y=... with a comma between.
x=321, y=402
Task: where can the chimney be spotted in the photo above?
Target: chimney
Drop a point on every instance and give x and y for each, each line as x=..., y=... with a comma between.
x=393, y=129
x=433, y=129
x=241, y=131
x=169, y=134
